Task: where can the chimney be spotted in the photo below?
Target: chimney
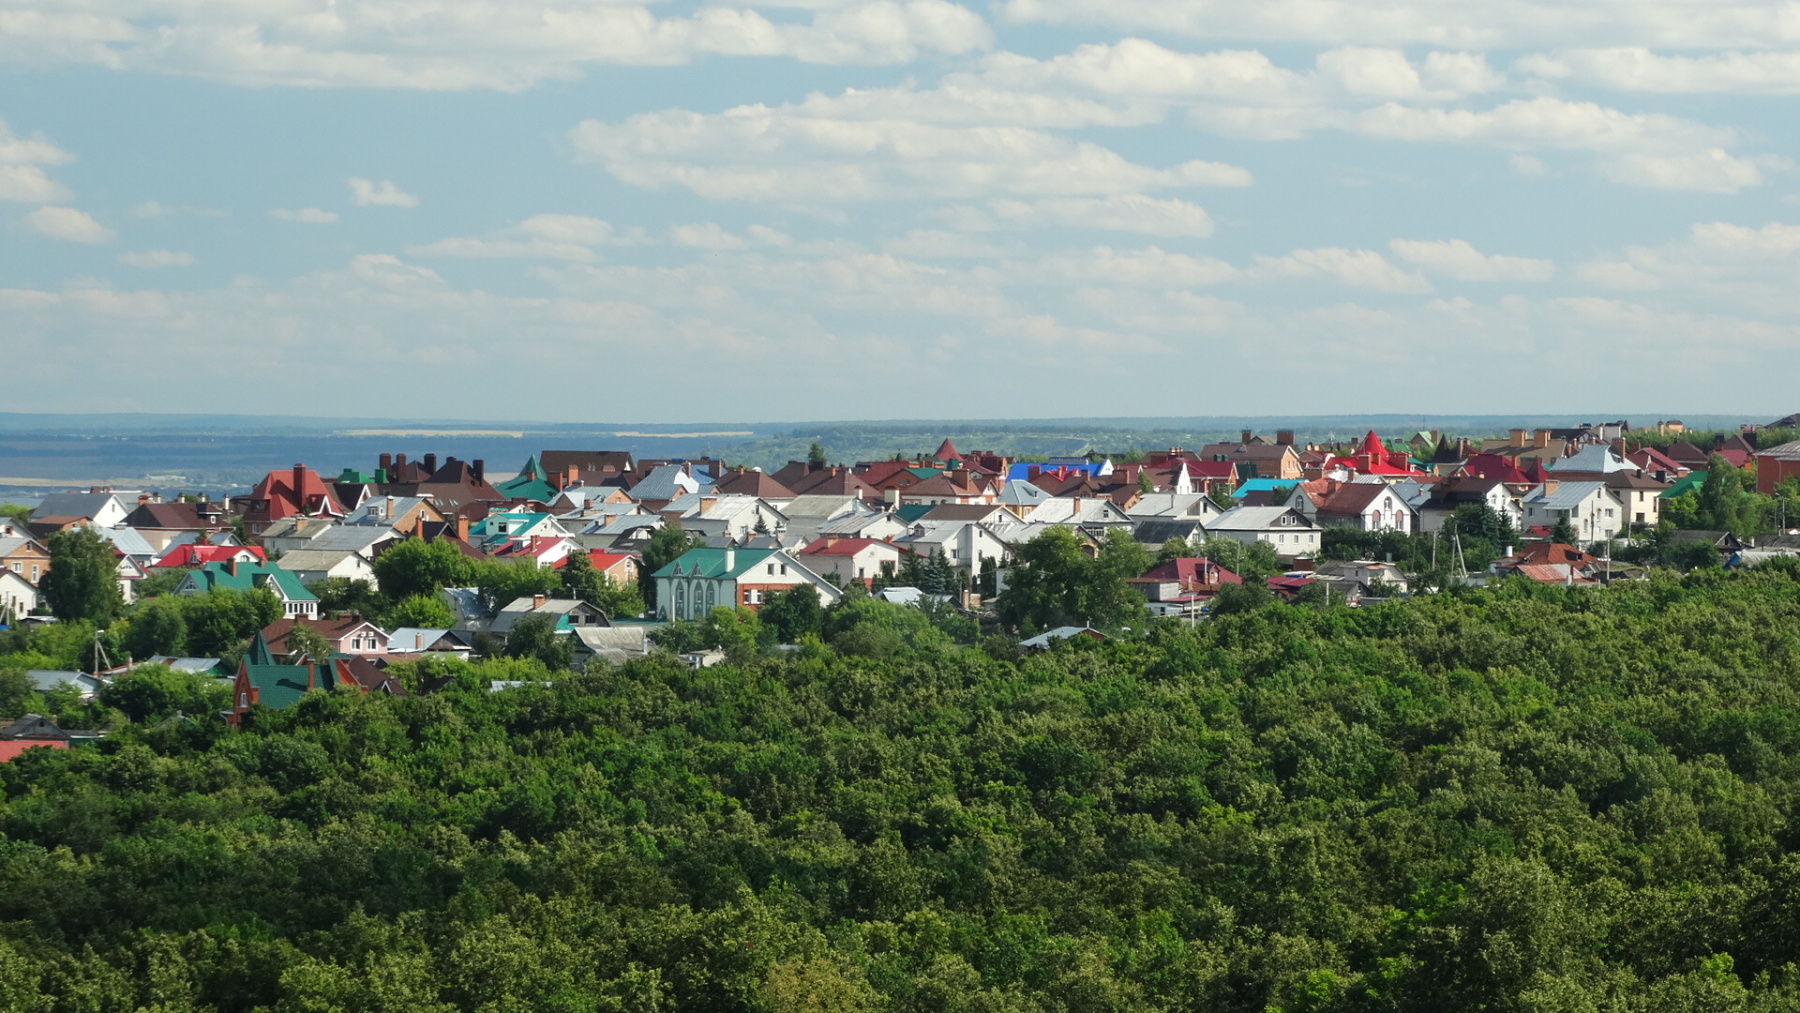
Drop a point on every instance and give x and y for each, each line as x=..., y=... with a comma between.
x=1541, y=437
x=299, y=483
x=537, y=601
x=1033, y=471
x=400, y=466
x=462, y=527
x=556, y=480
x=143, y=497
x=1550, y=485
x=231, y=566
x=478, y=467
x=430, y=463
x=1244, y=437
x=730, y=559
x=1508, y=553
x=1618, y=446
x=387, y=462
x=1462, y=447
x=1284, y=437
x=1516, y=437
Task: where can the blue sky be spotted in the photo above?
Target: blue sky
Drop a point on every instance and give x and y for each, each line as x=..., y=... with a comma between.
x=601, y=211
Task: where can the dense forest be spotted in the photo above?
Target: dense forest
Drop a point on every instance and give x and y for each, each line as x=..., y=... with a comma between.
x=1517, y=798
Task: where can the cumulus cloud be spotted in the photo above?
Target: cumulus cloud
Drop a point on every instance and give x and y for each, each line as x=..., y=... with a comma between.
x=1356, y=268
x=369, y=193
x=156, y=258
x=1502, y=24
x=68, y=224
x=1455, y=258
x=508, y=45
x=1636, y=69
x=22, y=161
x=540, y=237
x=307, y=216
x=759, y=153
x=1129, y=212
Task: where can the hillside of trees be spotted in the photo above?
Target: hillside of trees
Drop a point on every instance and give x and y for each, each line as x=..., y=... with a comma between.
x=1522, y=798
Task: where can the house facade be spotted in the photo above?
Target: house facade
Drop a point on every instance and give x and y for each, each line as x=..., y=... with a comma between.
x=706, y=578
x=1290, y=532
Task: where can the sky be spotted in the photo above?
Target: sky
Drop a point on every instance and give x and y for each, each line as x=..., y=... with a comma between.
x=848, y=209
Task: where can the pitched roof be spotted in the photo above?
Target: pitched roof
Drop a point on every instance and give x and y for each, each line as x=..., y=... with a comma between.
x=179, y=516
x=753, y=483
x=1594, y=458
x=1565, y=496
x=1254, y=518
x=843, y=546
x=946, y=451
x=1192, y=570
x=1789, y=451
x=248, y=577
x=588, y=463
x=715, y=563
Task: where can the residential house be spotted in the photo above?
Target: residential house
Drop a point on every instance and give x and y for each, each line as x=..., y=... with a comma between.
x=405, y=515
x=104, y=509
x=1776, y=465
x=1372, y=458
x=186, y=555
x=569, y=613
x=21, y=554
x=967, y=544
x=261, y=682
x=1590, y=508
x=1044, y=641
x=18, y=597
x=754, y=483
x=1184, y=583
x=1287, y=530
x=619, y=567
x=666, y=483
x=956, y=486
x=736, y=517
x=705, y=578
x=1367, y=505
x=418, y=640
x=280, y=494
x=1367, y=575
x=861, y=559
x=296, y=532
x=590, y=466
x=349, y=634
x=1254, y=457
x=313, y=565
x=161, y=524
x=1460, y=490
x=614, y=645
x=296, y=601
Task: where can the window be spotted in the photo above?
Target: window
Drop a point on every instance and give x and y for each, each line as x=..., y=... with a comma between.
x=784, y=569
x=243, y=699
x=771, y=569
x=18, y=567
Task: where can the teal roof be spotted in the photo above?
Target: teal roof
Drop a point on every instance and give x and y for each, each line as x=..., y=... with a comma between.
x=1263, y=485
x=1689, y=483
x=258, y=652
x=277, y=686
x=249, y=576
x=709, y=562
x=926, y=472
x=910, y=512
x=529, y=485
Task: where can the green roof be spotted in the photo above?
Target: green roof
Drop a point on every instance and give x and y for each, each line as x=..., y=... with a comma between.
x=708, y=562
x=250, y=576
x=258, y=652
x=926, y=472
x=1688, y=484
x=910, y=512
x=529, y=485
x=277, y=686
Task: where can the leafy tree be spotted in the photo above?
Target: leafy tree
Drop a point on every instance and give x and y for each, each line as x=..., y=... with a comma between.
x=426, y=612
x=580, y=580
x=1721, y=496
x=151, y=692
x=1173, y=549
x=1562, y=533
x=18, y=694
x=162, y=581
x=665, y=546
x=1055, y=583
x=83, y=581
x=416, y=567
x=536, y=637
x=338, y=595
x=308, y=644
x=793, y=613
x=220, y=621
x=735, y=631
x=17, y=515
x=158, y=626
x=501, y=582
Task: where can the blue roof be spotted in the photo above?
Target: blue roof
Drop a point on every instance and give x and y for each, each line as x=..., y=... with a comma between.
x=1263, y=485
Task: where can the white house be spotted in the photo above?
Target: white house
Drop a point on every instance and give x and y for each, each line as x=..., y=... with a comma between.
x=851, y=559
x=17, y=597
x=1369, y=506
x=1590, y=508
x=1284, y=528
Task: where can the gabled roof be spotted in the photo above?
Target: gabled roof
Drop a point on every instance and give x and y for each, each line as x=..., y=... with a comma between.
x=1789, y=451
x=178, y=516
x=1250, y=518
x=843, y=546
x=1565, y=496
x=715, y=563
x=589, y=463
x=1593, y=458
x=752, y=483
x=1689, y=483
x=76, y=504
x=1192, y=570
x=249, y=576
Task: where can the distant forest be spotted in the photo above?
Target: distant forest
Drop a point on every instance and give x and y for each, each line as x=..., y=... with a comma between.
x=1522, y=798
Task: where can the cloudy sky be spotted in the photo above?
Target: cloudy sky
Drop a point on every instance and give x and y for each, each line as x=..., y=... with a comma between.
x=812, y=209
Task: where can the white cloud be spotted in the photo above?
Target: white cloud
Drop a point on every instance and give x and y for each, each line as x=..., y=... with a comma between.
x=711, y=236
x=1356, y=268
x=758, y=153
x=1772, y=239
x=383, y=194
x=156, y=258
x=508, y=45
x=308, y=216
x=1117, y=213
x=156, y=209
x=540, y=237
x=1714, y=170
x=1455, y=258
x=1501, y=24
x=22, y=161
x=1149, y=267
x=1636, y=69
x=68, y=224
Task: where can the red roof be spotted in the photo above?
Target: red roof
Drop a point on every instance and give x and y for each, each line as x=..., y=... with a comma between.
x=946, y=451
x=1193, y=570
x=286, y=493
x=843, y=546
x=600, y=559
x=1494, y=466
x=13, y=747
x=200, y=555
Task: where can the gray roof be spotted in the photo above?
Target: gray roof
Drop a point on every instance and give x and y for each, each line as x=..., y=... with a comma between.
x=519, y=608
x=204, y=666
x=1258, y=518
x=76, y=504
x=827, y=506
x=415, y=638
x=127, y=540
x=1060, y=633
x=1567, y=496
x=375, y=509
x=1592, y=459
x=1022, y=493
x=48, y=679
x=1172, y=505
x=1789, y=451
x=358, y=538
x=665, y=483
x=1160, y=530
x=314, y=559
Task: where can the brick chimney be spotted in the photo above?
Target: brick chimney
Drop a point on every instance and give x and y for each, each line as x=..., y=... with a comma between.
x=299, y=484
x=1541, y=437
x=1244, y=437
x=430, y=463
x=462, y=527
x=1284, y=437
x=478, y=468
x=1515, y=437
x=387, y=463
x=400, y=466
x=537, y=601
x=1618, y=446
x=231, y=566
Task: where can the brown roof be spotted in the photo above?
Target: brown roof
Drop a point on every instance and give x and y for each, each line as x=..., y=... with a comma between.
x=591, y=464
x=181, y=516
x=753, y=483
